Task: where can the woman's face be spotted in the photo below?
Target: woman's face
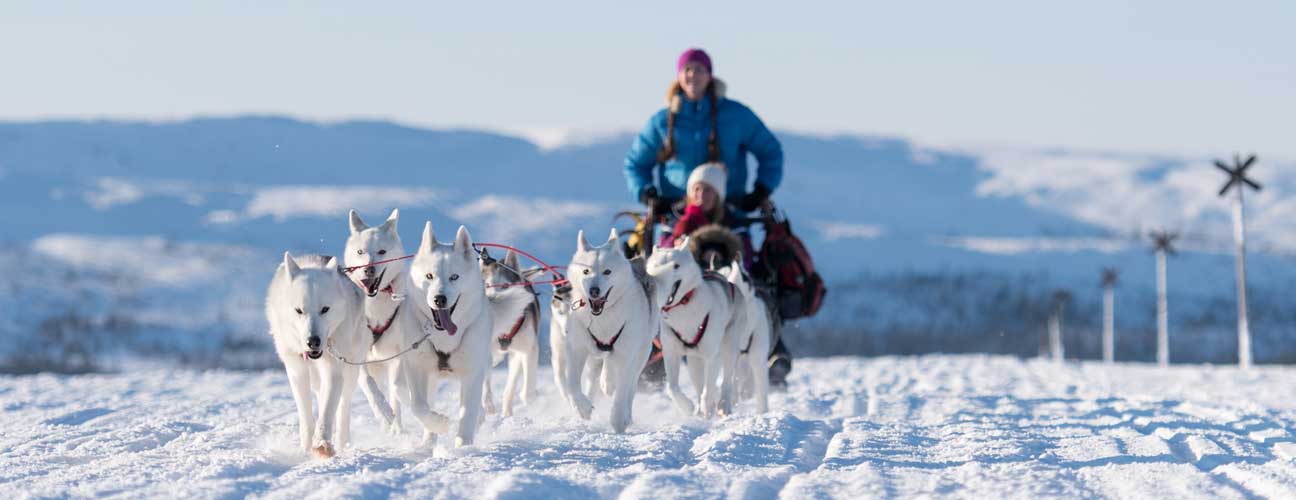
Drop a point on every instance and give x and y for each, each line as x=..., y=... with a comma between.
x=694, y=79
x=703, y=195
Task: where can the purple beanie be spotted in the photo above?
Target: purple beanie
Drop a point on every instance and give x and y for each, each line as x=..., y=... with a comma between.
x=694, y=55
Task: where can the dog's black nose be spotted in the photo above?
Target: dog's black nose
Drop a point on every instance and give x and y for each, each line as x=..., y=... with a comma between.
x=369, y=272
x=440, y=301
x=313, y=343
x=594, y=292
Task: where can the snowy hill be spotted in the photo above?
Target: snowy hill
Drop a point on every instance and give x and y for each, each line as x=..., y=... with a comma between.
x=162, y=235
x=929, y=426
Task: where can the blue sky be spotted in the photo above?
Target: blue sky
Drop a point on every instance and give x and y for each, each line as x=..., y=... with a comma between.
x=1160, y=77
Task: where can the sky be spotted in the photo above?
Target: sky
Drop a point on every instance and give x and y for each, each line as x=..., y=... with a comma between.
x=1162, y=77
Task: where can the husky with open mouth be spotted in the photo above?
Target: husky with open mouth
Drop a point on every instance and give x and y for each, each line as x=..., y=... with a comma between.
x=370, y=255
x=700, y=323
x=517, y=335
x=316, y=316
x=613, y=318
x=448, y=294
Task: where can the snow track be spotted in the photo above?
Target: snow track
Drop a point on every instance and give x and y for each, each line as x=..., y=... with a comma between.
x=962, y=426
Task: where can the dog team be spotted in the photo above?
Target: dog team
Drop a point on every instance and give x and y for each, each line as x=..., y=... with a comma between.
x=396, y=328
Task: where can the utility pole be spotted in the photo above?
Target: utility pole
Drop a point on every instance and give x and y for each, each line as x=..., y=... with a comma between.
x=1163, y=245
x=1237, y=177
x=1109, y=315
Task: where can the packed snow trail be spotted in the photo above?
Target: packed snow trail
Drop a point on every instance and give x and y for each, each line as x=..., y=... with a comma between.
x=961, y=426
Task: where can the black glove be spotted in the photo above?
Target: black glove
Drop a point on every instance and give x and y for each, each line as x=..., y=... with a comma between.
x=659, y=205
x=753, y=200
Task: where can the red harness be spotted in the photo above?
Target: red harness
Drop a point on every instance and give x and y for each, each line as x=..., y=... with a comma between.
x=378, y=332
x=688, y=297
x=506, y=339
x=697, y=338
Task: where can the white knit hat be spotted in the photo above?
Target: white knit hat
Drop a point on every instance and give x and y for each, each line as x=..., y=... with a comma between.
x=712, y=174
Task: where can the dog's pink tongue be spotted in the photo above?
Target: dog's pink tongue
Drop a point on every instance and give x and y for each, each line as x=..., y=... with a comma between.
x=443, y=316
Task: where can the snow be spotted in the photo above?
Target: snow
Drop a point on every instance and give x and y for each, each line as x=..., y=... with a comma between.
x=937, y=425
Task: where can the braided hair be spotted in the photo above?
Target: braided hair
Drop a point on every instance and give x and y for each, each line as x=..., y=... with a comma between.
x=667, y=151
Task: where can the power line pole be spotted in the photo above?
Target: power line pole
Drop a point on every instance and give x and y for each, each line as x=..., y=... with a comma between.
x=1237, y=177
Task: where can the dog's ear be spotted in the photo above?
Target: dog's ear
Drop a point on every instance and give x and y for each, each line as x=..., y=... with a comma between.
x=582, y=244
x=291, y=266
x=531, y=273
x=683, y=242
x=463, y=241
x=332, y=263
x=357, y=224
x=390, y=224
x=711, y=264
x=511, y=259
x=612, y=238
x=429, y=238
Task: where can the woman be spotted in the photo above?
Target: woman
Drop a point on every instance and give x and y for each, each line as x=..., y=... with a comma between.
x=699, y=125
x=700, y=141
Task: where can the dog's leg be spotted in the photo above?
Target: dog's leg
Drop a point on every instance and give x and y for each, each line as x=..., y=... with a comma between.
x=759, y=375
x=626, y=383
x=558, y=359
x=374, y=395
x=433, y=423
x=594, y=368
x=331, y=382
x=515, y=367
x=575, y=396
x=392, y=372
x=488, y=395
x=729, y=358
x=350, y=377
x=531, y=367
x=697, y=374
x=470, y=410
x=299, y=380
x=671, y=361
x=713, y=367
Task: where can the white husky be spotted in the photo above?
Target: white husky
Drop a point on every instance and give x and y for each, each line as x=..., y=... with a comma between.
x=700, y=322
x=315, y=316
x=449, y=296
x=390, y=331
x=517, y=336
x=753, y=341
x=560, y=306
x=614, y=318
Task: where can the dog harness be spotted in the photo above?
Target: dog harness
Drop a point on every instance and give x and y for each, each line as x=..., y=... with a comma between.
x=507, y=339
x=608, y=346
x=378, y=332
x=688, y=297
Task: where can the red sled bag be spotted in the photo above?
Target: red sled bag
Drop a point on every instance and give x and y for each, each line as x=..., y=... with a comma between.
x=785, y=264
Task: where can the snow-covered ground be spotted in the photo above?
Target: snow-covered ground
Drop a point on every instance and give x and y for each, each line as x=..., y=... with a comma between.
x=962, y=426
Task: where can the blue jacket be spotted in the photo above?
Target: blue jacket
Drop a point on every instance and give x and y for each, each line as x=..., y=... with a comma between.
x=741, y=131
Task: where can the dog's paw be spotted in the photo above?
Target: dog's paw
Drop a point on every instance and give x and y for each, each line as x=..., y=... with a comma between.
x=460, y=442
x=620, y=421
x=583, y=408
x=429, y=441
x=440, y=423
x=489, y=406
x=324, y=450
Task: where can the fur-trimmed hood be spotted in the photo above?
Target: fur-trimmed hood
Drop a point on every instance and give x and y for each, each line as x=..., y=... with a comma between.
x=715, y=237
x=675, y=96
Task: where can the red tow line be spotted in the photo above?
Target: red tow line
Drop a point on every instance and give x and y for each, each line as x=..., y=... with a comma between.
x=558, y=280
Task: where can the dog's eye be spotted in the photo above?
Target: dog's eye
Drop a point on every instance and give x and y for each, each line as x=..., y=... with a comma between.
x=454, y=277
x=676, y=266
x=299, y=311
x=587, y=271
x=325, y=310
x=360, y=252
x=428, y=276
x=382, y=252
x=607, y=272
